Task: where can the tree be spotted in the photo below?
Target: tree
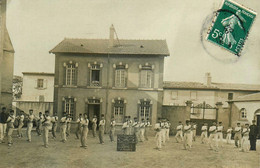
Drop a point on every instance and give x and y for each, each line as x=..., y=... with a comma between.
x=17, y=86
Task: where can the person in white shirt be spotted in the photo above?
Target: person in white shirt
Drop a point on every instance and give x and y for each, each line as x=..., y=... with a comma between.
x=238, y=135
x=194, y=130
x=158, y=136
x=125, y=125
x=167, y=130
x=187, y=140
x=39, y=124
x=142, y=130
x=179, y=134
x=147, y=127
x=204, y=133
x=229, y=133
x=30, y=125
x=130, y=123
x=69, y=119
x=136, y=126
x=63, y=127
x=102, y=124
x=10, y=127
x=94, y=126
x=46, y=127
x=245, y=140
x=54, y=121
x=84, y=131
x=220, y=134
x=213, y=137
x=112, y=129
x=163, y=130
x=20, y=124
x=79, y=126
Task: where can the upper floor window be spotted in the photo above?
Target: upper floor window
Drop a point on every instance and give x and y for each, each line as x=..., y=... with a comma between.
x=145, y=107
x=70, y=106
x=146, y=76
x=119, y=110
x=41, y=98
x=70, y=73
x=40, y=83
x=243, y=113
x=95, y=74
x=120, y=75
x=230, y=96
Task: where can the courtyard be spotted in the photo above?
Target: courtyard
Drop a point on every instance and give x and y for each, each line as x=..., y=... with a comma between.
x=69, y=154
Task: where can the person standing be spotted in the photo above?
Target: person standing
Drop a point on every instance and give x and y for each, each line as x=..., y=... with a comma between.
x=142, y=130
x=94, y=126
x=3, y=118
x=39, y=124
x=194, y=131
x=102, y=123
x=238, y=135
x=179, y=134
x=167, y=130
x=69, y=119
x=253, y=135
x=187, y=140
x=54, y=121
x=147, y=126
x=163, y=130
x=130, y=123
x=46, y=127
x=204, y=133
x=220, y=134
x=124, y=126
x=84, y=131
x=20, y=124
x=158, y=135
x=213, y=137
x=136, y=126
x=10, y=127
x=63, y=127
x=79, y=126
x=245, y=139
x=229, y=133
x=112, y=129
x=31, y=117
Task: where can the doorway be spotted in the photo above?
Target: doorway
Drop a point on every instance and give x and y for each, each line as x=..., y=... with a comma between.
x=93, y=109
x=257, y=117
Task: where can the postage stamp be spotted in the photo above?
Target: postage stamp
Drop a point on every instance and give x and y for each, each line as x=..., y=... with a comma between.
x=231, y=25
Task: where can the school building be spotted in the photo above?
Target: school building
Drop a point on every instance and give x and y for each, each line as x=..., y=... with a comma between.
x=109, y=76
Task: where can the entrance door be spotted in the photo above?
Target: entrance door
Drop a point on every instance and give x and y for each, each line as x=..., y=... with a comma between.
x=93, y=109
x=258, y=125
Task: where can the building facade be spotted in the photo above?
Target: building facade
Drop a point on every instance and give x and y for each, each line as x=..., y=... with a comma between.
x=37, y=92
x=112, y=77
x=6, y=61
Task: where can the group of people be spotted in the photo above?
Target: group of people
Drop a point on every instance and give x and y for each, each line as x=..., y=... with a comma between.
x=187, y=133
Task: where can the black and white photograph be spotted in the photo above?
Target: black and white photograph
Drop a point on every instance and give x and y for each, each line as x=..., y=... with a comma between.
x=129, y=84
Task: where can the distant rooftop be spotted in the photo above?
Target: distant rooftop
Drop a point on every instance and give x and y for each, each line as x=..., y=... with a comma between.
x=213, y=86
x=101, y=46
x=249, y=97
x=38, y=73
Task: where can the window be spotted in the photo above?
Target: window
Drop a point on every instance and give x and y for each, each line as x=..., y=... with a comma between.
x=146, y=77
x=70, y=74
x=41, y=98
x=193, y=95
x=243, y=113
x=69, y=107
x=120, y=76
x=119, y=106
x=95, y=76
x=40, y=83
x=145, y=109
x=230, y=96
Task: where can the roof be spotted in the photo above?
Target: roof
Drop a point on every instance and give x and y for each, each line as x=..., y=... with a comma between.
x=213, y=86
x=101, y=46
x=249, y=97
x=8, y=46
x=186, y=85
x=38, y=73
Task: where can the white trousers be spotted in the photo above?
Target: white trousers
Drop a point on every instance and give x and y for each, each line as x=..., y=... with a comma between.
x=187, y=140
x=179, y=136
x=158, y=137
x=245, y=144
x=220, y=138
x=228, y=138
x=213, y=143
x=204, y=136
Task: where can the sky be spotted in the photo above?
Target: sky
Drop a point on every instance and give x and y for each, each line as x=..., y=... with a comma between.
x=37, y=26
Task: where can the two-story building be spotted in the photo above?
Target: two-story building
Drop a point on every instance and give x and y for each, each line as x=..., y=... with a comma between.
x=6, y=61
x=37, y=92
x=111, y=76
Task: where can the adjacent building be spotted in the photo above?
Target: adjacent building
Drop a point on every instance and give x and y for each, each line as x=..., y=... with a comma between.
x=37, y=92
x=113, y=77
x=6, y=61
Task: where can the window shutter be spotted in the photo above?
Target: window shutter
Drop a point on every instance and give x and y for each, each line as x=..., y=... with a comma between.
x=63, y=106
x=45, y=83
x=64, y=75
x=74, y=111
x=76, y=76
x=36, y=83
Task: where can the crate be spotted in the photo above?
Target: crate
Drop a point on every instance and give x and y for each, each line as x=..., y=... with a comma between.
x=126, y=143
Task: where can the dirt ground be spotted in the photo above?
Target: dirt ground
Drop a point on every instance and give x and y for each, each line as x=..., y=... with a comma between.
x=69, y=154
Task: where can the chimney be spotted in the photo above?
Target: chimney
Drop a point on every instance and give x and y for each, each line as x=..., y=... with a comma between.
x=111, y=36
x=207, y=79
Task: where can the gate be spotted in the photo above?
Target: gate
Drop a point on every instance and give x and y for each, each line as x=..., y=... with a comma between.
x=203, y=113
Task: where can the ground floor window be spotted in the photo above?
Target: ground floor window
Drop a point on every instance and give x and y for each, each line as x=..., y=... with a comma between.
x=145, y=109
x=119, y=108
x=69, y=106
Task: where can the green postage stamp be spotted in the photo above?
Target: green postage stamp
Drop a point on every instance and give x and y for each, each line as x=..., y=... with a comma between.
x=230, y=26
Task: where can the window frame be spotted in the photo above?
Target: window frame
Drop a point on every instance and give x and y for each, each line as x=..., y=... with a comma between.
x=119, y=106
x=145, y=105
x=95, y=67
x=40, y=85
x=149, y=72
x=120, y=81
x=69, y=106
x=243, y=113
x=71, y=73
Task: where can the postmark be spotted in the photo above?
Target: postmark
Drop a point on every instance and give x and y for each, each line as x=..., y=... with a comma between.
x=230, y=26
